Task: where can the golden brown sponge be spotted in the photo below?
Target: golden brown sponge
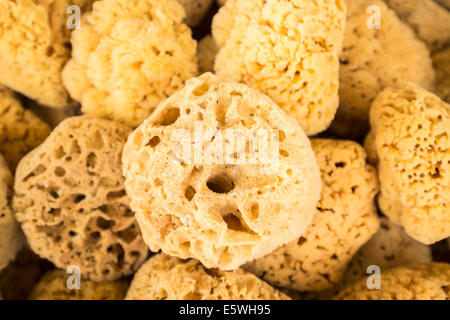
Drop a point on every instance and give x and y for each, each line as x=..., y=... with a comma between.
x=20, y=129
x=206, y=53
x=287, y=50
x=223, y=213
x=390, y=247
x=195, y=10
x=416, y=282
x=129, y=56
x=34, y=46
x=11, y=238
x=53, y=286
x=168, y=278
x=441, y=61
x=71, y=202
x=373, y=59
x=345, y=219
x=410, y=128
x=430, y=20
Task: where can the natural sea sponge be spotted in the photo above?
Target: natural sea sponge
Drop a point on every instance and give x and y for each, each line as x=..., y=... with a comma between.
x=373, y=59
x=206, y=53
x=168, y=278
x=287, y=50
x=345, y=219
x=11, y=238
x=410, y=129
x=34, y=46
x=416, y=282
x=20, y=129
x=441, y=61
x=128, y=57
x=430, y=20
x=195, y=10
x=390, y=247
x=53, y=286
x=71, y=202
x=224, y=209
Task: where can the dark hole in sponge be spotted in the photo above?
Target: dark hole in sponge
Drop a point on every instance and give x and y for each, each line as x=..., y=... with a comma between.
x=220, y=183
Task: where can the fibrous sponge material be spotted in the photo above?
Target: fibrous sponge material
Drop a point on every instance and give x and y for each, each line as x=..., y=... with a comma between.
x=287, y=50
x=128, y=56
x=216, y=209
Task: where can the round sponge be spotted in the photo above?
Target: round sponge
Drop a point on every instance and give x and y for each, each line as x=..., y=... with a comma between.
x=214, y=202
x=53, y=286
x=416, y=282
x=20, y=129
x=169, y=278
x=71, y=202
x=345, y=219
x=373, y=59
x=129, y=56
x=287, y=50
x=410, y=130
x=11, y=238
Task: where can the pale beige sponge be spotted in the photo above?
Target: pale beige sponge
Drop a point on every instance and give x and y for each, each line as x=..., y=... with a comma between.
x=249, y=184
x=429, y=19
x=20, y=129
x=11, y=238
x=34, y=46
x=414, y=282
x=287, y=50
x=373, y=59
x=164, y=277
x=441, y=61
x=128, y=57
x=345, y=219
x=410, y=129
x=58, y=285
x=206, y=53
x=390, y=247
x=195, y=10
x=71, y=202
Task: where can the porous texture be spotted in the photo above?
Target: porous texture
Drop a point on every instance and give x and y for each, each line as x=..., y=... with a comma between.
x=195, y=10
x=53, y=286
x=345, y=219
x=206, y=53
x=129, y=56
x=11, y=238
x=20, y=129
x=410, y=127
x=441, y=61
x=287, y=50
x=34, y=46
x=390, y=247
x=215, y=209
x=169, y=278
x=373, y=59
x=71, y=202
x=430, y=20
x=416, y=282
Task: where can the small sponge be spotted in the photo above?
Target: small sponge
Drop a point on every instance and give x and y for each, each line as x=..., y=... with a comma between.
x=416, y=282
x=129, y=56
x=71, y=202
x=390, y=247
x=287, y=49
x=441, y=61
x=20, y=129
x=215, y=209
x=195, y=10
x=11, y=238
x=410, y=128
x=346, y=218
x=373, y=59
x=53, y=286
x=169, y=278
